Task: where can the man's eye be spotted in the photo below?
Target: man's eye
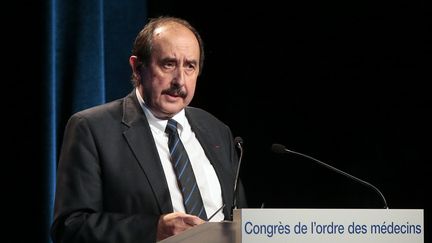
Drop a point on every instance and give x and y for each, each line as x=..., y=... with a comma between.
x=169, y=65
x=191, y=67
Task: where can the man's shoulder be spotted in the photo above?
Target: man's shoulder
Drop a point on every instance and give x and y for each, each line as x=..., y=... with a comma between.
x=101, y=109
x=112, y=110
x=199, y=114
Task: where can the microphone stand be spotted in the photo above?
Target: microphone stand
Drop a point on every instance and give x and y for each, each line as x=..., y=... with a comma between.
x=278, y=148
x=239, y=142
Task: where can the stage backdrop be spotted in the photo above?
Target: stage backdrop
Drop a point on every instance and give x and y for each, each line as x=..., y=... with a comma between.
x=341, y=81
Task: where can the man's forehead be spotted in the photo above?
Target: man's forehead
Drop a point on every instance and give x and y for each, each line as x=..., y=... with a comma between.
x=169, y=26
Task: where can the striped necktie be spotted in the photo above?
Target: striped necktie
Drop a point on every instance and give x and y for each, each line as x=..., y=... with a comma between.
x=185, y=176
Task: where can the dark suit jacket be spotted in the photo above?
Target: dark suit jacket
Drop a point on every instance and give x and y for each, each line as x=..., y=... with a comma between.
x=110, y=183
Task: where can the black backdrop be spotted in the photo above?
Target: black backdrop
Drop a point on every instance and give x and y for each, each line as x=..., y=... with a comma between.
x=343, y=81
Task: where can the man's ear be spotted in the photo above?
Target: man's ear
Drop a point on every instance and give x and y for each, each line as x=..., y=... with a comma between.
x=135, y=66
x=133, y=62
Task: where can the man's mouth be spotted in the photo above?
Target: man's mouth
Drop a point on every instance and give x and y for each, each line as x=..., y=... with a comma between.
x=175, y=92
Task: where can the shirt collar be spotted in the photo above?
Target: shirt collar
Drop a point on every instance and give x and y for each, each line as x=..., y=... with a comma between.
x=159, y=124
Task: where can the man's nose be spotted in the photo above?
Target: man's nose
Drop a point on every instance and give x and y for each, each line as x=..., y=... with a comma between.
x=179, y=76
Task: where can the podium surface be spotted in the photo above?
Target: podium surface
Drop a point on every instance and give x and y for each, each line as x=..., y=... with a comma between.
x=311, y=225
x=210, y=232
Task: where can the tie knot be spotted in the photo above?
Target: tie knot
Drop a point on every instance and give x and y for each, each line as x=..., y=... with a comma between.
x=171, y=127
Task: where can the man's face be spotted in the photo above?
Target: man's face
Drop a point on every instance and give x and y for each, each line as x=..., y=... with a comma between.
x=168, y=82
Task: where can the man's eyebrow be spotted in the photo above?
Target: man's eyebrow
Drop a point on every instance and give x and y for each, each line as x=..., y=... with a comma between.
x=193, y=61
x=168, y=59
x=173, y=59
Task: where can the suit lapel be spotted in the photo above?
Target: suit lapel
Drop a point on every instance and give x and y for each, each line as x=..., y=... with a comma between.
x=141, y=142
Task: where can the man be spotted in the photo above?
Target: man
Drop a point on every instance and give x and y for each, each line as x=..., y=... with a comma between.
x=116, y=181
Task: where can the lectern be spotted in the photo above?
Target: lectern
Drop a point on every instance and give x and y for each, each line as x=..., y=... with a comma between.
x=311, y=225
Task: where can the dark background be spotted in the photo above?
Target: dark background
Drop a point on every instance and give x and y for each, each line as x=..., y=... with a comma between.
x=342, y=81
x=346, y=82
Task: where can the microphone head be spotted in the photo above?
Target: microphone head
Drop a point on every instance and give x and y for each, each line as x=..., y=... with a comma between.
x=278, y=148
x=238, y=140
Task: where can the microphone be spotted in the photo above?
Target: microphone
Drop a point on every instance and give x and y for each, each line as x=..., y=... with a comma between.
x=239, y=144
x=281, y=149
